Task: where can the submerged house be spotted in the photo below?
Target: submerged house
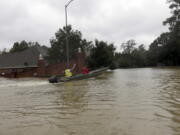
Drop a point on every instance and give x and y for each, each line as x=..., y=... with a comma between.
x=31, y=63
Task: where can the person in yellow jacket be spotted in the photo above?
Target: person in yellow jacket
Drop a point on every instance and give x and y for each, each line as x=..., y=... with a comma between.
x=68, y=72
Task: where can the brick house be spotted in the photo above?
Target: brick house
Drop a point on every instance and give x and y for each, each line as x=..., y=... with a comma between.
x=31, y=63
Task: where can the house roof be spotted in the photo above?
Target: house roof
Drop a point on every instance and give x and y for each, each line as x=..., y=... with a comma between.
x=26, y=58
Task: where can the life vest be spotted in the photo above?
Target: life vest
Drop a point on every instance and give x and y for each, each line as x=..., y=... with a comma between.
x=85, y=70
x=68, y=73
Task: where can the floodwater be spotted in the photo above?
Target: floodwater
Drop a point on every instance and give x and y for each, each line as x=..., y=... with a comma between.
x=122, y=102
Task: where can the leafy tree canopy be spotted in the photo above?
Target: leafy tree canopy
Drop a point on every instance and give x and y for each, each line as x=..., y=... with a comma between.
x=173, y=20
x=57, y=52
x=128, y=47
x=102, y=55
x=21, y=46
x=131, y=56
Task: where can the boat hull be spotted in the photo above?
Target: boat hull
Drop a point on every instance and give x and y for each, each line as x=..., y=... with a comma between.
x=91, y=74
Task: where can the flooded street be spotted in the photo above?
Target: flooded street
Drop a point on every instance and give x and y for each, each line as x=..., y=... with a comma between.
x=122, y=102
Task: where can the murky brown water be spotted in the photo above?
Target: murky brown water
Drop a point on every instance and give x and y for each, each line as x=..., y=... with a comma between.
x=123, y=102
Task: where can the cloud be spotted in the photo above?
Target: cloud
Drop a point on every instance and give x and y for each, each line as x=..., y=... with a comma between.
x=112, y=21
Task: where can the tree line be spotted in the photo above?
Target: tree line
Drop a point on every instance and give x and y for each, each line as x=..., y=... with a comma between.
x=163, y=51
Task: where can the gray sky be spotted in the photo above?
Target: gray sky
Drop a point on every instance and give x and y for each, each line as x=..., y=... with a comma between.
x=115, y=21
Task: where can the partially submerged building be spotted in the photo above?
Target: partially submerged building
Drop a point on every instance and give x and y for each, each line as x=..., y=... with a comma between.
x=32, y=63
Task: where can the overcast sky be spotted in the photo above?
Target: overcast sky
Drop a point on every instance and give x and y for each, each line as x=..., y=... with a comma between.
x=115, y=21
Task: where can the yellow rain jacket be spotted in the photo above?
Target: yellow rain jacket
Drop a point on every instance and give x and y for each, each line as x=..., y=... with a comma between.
x=68, y=73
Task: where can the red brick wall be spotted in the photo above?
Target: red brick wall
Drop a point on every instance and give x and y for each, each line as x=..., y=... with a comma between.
x=42, y=70
x=18, y=73
x=28, y=73
x=80, y=60
x=6, y=71
x=58, y=68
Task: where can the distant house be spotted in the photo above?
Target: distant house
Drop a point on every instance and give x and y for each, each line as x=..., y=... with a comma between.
x=31, y=63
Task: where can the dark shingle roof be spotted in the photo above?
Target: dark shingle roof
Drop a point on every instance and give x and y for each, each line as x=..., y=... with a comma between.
x=27, y=58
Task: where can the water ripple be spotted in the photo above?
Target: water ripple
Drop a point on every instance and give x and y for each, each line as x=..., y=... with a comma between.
x=126, y=101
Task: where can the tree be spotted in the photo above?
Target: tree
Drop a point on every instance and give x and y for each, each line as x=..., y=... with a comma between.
x=128, y=47
x=126, y=59
x=132, y=56
x=32, y=44
x=102, y=55
x=139, y=56
x=21, y=46
x=172, y=49
x=57, y=51
x=18, y=47
x=165, y=50
x=158, y=50
x=173, y=20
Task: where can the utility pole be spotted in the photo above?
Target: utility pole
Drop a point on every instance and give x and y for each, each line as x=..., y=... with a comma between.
x=67, y=42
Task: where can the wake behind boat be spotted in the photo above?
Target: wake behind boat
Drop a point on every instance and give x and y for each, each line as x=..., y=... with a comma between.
x=94, y=73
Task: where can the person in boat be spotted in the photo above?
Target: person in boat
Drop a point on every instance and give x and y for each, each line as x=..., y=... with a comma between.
x=85, y=70
x=68, y=72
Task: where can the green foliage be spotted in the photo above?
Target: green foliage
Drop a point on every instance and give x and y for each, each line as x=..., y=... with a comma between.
x=173, y=20
x=18, y=47
x=57, y=52
x=101, y=55
x=131, y=56
x=23, y=45
x=158, y=50
x=128, y=47
x=165, y=50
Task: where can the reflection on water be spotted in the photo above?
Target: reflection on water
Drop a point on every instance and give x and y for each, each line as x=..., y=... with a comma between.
x=170, y=97
x=123, y=102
